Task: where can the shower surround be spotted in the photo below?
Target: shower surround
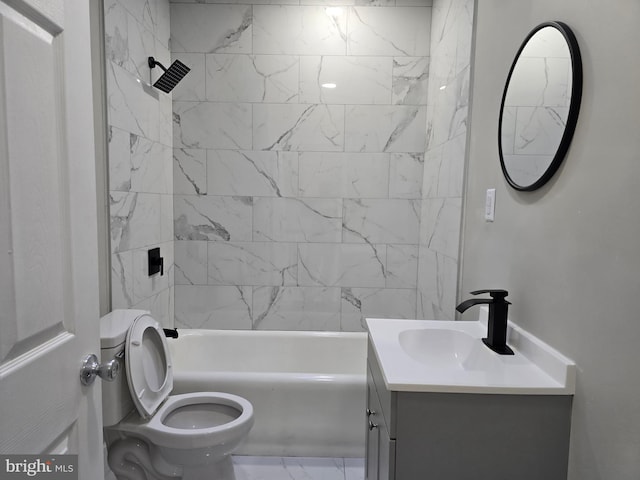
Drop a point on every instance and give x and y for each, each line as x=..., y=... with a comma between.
x=442, y=186
x=297, y=205
x=140, y=156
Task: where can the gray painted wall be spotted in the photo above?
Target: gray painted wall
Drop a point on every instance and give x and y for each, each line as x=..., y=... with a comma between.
x=570, y=252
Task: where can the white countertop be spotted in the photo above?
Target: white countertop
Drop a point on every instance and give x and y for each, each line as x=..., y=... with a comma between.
x=534, y=369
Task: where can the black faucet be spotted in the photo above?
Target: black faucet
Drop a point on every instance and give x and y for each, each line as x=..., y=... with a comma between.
x=497, y=326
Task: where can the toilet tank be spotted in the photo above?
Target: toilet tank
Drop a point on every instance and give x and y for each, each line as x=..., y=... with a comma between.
x=116, y=399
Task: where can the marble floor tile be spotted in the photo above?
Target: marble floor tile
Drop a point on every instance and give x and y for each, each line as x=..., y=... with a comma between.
x=298, y=468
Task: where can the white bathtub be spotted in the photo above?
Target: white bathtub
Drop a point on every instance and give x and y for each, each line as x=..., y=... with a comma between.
x=307, y=388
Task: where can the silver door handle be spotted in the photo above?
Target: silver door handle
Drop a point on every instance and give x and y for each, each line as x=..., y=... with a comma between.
x=91, y=368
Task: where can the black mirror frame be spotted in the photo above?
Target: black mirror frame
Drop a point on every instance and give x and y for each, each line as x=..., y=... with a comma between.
x=574, y=106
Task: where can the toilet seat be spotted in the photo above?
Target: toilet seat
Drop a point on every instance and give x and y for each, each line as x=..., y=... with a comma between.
x=161, y=434
x=148, y=365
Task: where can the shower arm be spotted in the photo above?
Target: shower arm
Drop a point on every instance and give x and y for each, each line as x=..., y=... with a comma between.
x=153, y=62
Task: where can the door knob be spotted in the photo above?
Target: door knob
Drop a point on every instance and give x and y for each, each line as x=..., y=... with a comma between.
x=91, y=368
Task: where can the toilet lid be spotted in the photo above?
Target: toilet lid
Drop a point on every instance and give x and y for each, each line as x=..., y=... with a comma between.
x=148, y=365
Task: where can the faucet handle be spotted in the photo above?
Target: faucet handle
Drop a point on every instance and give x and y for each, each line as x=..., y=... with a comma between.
x=496, y=294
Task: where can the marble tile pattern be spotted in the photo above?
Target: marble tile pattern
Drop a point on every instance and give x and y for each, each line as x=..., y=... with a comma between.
x=141, y=156
x=298, y=468
x=291, y=468
x=447, y=113
x=299, y=151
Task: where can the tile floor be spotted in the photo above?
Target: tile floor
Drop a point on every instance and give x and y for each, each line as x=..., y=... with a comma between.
x=298, y=468
x=293, y=468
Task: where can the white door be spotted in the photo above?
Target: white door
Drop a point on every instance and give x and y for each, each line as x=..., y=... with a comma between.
x=48, y=240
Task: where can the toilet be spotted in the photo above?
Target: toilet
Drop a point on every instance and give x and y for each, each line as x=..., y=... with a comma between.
x=150, y=434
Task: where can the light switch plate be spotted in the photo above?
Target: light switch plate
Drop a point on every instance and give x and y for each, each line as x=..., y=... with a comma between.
x=490, y=205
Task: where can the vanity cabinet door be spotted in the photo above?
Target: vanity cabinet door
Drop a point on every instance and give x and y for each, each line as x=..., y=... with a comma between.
x=372, y=437
x=388, y=399
x=386, y=455
x=380, y=461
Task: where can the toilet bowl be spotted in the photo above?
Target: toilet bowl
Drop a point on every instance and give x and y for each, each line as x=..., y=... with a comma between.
x=151, y=434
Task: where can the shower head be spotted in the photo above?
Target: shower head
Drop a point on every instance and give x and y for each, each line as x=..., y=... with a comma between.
x=171, y=76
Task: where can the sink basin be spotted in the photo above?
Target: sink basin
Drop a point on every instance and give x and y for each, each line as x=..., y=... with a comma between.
x=449, y=356
x=446, y=348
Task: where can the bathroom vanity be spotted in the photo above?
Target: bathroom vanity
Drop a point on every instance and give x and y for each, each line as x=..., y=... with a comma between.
x=453, y=412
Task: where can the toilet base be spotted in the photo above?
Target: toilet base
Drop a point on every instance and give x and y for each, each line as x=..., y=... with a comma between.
x=131, y=459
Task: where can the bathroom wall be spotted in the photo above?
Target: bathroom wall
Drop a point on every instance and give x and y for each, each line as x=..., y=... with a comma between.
x=447, y=112
x=298, y=206
x=568, y=253
x=140, y=155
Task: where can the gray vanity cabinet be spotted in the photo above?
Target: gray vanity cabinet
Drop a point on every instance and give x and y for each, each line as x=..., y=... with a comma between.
x=460, y=436
x=381, y=448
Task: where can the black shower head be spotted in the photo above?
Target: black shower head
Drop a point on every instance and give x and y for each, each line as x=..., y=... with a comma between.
x=171, y=76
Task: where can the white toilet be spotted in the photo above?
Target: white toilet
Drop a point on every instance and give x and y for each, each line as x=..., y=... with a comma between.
x=150, y=434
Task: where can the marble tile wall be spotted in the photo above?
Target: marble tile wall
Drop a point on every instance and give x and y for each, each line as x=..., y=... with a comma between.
x=298, y=206
x=140, y=155
x=442, y=186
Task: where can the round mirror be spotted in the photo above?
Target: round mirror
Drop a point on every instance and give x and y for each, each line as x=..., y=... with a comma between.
x=540, y=106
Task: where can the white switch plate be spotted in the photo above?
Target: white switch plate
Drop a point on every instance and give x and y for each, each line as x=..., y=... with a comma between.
x=490, y=205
